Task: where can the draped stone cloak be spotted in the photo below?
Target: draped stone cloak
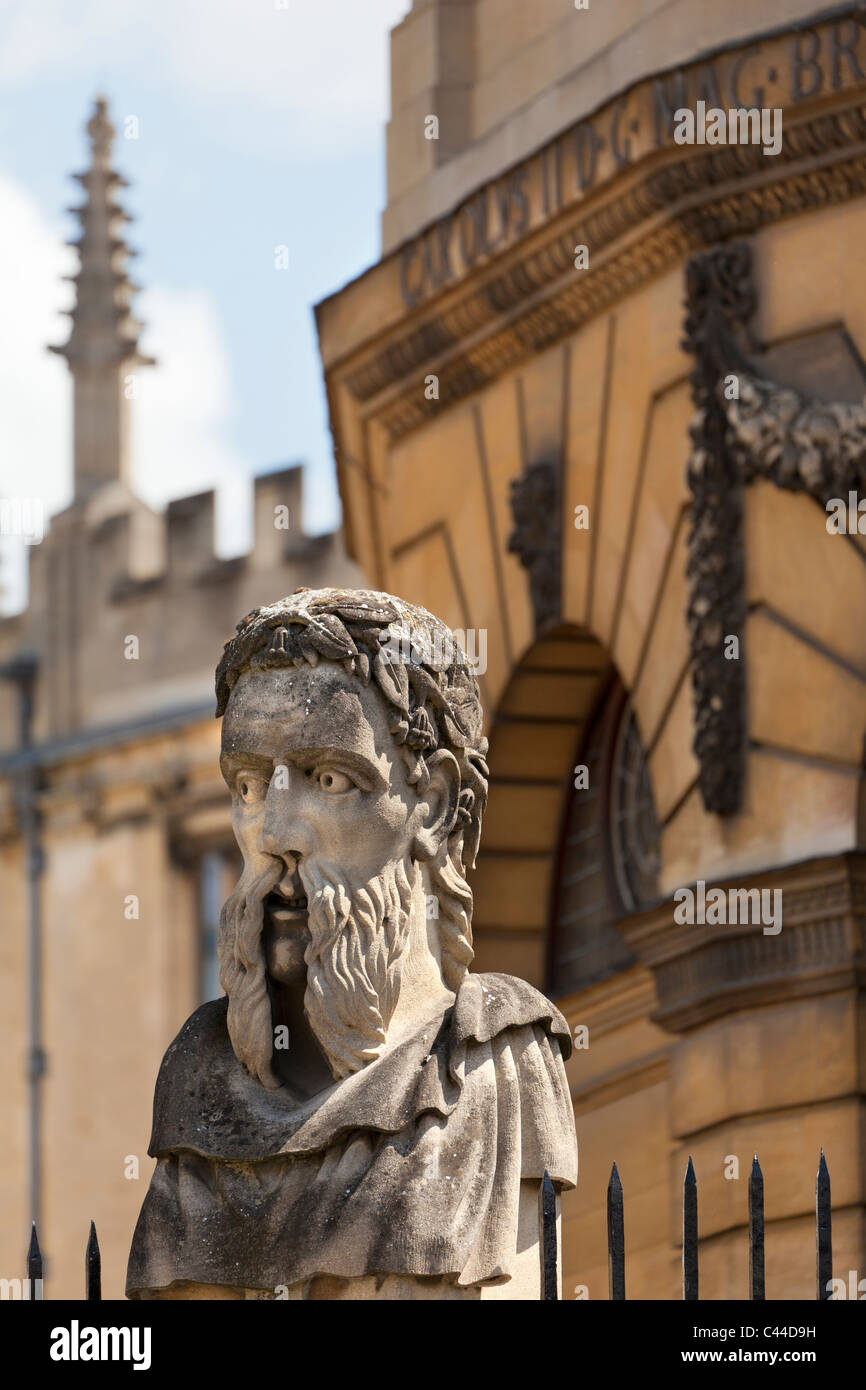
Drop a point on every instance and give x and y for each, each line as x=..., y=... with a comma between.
x=411, y=1166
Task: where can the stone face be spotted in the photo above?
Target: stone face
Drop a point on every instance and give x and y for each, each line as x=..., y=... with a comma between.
x=360, y=1117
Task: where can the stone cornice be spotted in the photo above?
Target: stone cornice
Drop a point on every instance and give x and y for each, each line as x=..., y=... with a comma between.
x=623, y=998
x=124, y=780
x=174, y=789
x=540, y=298
x=482, y=314
x=619, y=1083
x=702, y=972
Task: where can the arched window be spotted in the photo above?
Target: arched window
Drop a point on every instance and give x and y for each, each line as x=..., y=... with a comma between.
x=608, y=857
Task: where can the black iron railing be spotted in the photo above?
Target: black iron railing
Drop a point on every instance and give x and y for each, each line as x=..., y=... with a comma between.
x=615, y=1240
x=92, y=1268
x=616, y=1235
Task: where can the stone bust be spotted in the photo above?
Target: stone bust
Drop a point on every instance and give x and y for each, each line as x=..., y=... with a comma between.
x=360, y=1116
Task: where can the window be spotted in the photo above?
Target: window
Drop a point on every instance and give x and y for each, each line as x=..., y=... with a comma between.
x=608, y=860
x=218, y=871
x=634, y=830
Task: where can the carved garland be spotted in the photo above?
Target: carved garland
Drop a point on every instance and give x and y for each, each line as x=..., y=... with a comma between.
x=720, y=301
x=537, y=539
x=797, y=442
x=765, y=431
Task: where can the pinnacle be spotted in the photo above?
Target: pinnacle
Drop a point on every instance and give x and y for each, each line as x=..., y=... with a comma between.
x=103, y=334
x=101, y=132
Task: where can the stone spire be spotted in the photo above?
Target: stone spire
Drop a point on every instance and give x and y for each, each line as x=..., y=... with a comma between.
x=102, y=349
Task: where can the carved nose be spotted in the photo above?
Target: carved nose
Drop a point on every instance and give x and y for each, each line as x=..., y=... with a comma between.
x=285, y=833
x=290, y=885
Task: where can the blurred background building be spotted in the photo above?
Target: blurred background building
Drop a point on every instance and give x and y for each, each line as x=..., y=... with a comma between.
x=592, y=401
x=127, y=616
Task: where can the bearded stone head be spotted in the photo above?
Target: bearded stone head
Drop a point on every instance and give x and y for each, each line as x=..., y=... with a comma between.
x=352, y=748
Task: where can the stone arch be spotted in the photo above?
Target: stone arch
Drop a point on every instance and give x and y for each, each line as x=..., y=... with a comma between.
x=546, y=704
x=565, y=701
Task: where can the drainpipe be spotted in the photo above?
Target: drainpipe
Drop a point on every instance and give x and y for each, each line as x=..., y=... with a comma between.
x=21, y=672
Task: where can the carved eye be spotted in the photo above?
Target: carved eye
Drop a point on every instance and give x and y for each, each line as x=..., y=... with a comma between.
x=330, y=780
x=251, y=789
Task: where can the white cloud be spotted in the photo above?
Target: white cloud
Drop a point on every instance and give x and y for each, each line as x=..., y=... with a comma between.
x=321, y=63
x=35, y=401
x=182, y=414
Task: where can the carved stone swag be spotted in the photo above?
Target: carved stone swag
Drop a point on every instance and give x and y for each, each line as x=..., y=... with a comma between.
x=746, y=427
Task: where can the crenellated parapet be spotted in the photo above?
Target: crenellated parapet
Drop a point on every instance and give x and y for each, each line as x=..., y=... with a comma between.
x=128, y=606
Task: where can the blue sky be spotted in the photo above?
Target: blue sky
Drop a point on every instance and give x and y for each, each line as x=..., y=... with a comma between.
x=261, y=123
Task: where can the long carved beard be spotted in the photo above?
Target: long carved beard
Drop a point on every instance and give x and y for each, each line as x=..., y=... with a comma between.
x=354, y=965
x=244, y=976
x=355, y=959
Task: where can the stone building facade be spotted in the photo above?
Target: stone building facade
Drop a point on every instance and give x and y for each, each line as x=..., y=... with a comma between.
x=127, y=615
x=594, y=402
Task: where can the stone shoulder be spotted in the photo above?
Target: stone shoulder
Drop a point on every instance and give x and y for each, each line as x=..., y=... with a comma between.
x=489, y=1003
